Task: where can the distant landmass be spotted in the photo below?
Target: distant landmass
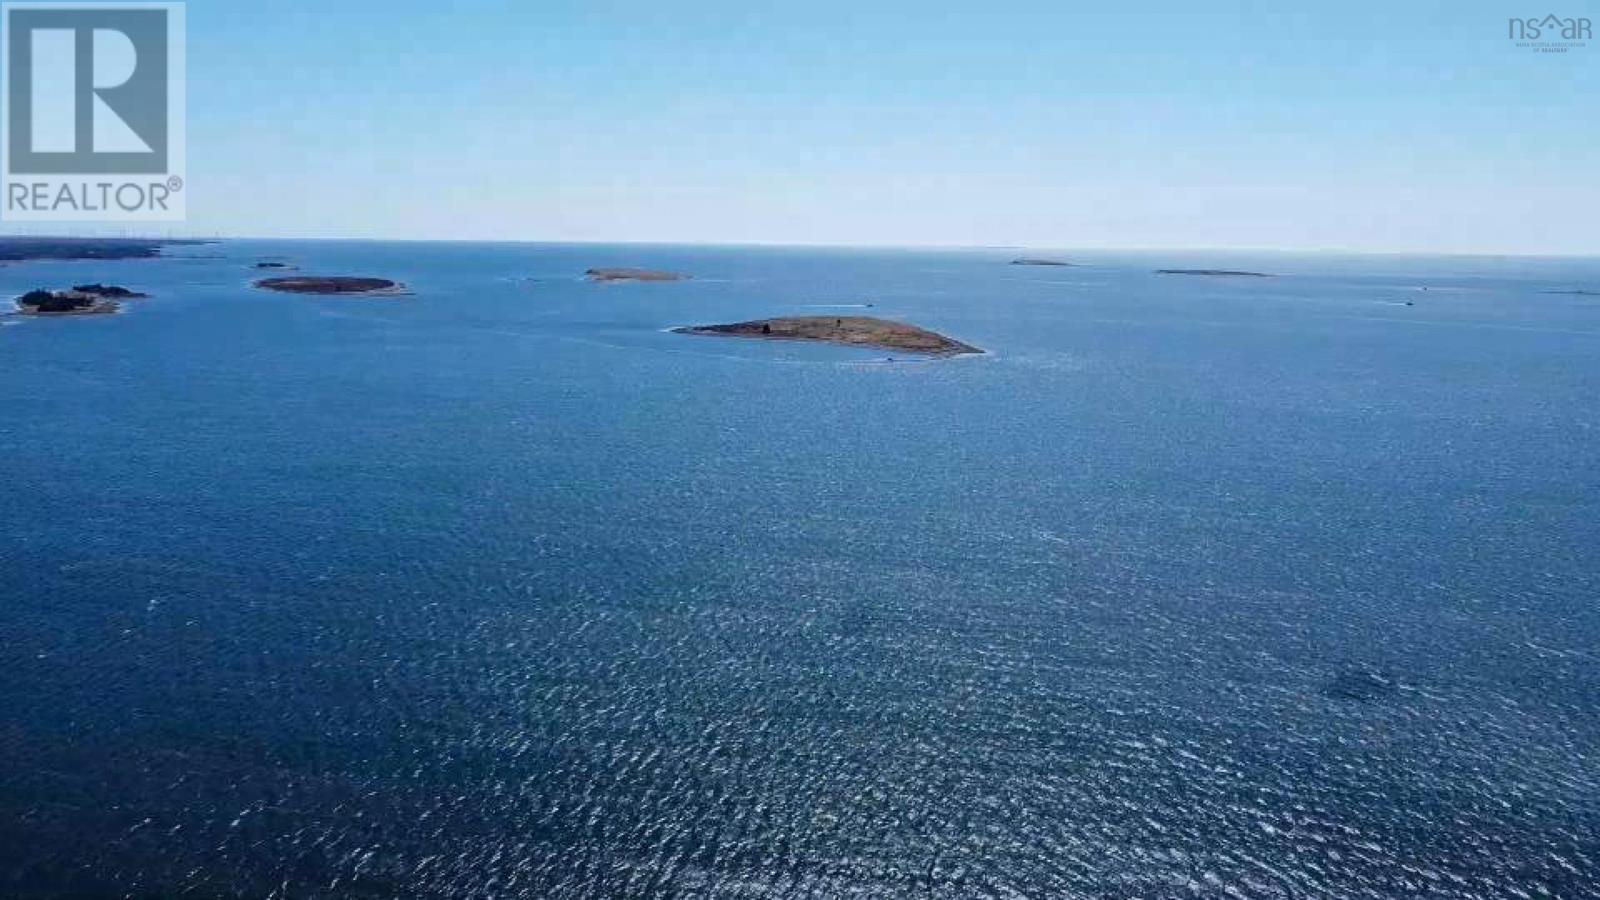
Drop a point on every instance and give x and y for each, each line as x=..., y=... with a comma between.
x=341, y=285
x=1214, y=273
x=854, y=331
x=1030, y=261
x=20, y=249
x=611, y=275
x=1575, y=293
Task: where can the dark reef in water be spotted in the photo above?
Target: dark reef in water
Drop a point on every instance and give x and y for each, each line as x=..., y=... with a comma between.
x=1214, y=273
x=1360, y=686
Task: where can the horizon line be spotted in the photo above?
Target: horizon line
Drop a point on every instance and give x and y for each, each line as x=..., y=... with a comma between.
x=808, y=245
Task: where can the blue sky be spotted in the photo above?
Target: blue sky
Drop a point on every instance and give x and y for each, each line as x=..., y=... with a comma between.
x=1403, y=127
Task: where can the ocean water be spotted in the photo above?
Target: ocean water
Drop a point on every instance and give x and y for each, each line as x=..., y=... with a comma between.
x=1190, y=588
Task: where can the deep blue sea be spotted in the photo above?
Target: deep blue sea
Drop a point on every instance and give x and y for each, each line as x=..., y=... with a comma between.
x=1190, y=588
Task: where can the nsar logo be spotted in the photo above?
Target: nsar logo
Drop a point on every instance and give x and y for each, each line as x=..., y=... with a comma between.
x=1550, y=34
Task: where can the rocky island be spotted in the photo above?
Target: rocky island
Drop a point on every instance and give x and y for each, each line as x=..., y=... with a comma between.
x=333, y=285
x=850, y=331
x=84, y=300
x=607, y=276
x=1213, y=273
x=270, y=264
x=1030, y=261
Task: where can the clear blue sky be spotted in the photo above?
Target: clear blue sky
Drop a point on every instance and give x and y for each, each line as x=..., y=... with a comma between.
x=1393, y=126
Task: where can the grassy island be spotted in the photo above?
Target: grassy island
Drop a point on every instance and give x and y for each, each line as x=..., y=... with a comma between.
x=613, y=275
x=851, y=331
x=336, y=285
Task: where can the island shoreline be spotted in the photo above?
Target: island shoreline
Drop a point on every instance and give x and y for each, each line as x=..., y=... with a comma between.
x=861, y=332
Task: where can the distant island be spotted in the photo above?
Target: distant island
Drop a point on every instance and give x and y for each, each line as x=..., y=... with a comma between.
x=110, y=291
x=1029, y=261
x=20, y=249
x=1575, y=293
x=851, y=331
x=1214, y=273
x=611, y=275
x=337, y=285
x=267, y=264
x=83, y=300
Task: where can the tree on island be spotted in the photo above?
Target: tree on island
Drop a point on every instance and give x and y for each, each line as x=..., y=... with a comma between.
x=52, y=302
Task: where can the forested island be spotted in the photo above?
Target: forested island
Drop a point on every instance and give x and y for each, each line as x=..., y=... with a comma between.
x=85, y=299
x=110, y=292
x=21, y=249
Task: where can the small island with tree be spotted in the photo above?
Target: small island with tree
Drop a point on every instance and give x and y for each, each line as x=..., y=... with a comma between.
x=66, y=303
x=83, y=300
x=850, y=331
x=614, y=275
x=334, y=285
